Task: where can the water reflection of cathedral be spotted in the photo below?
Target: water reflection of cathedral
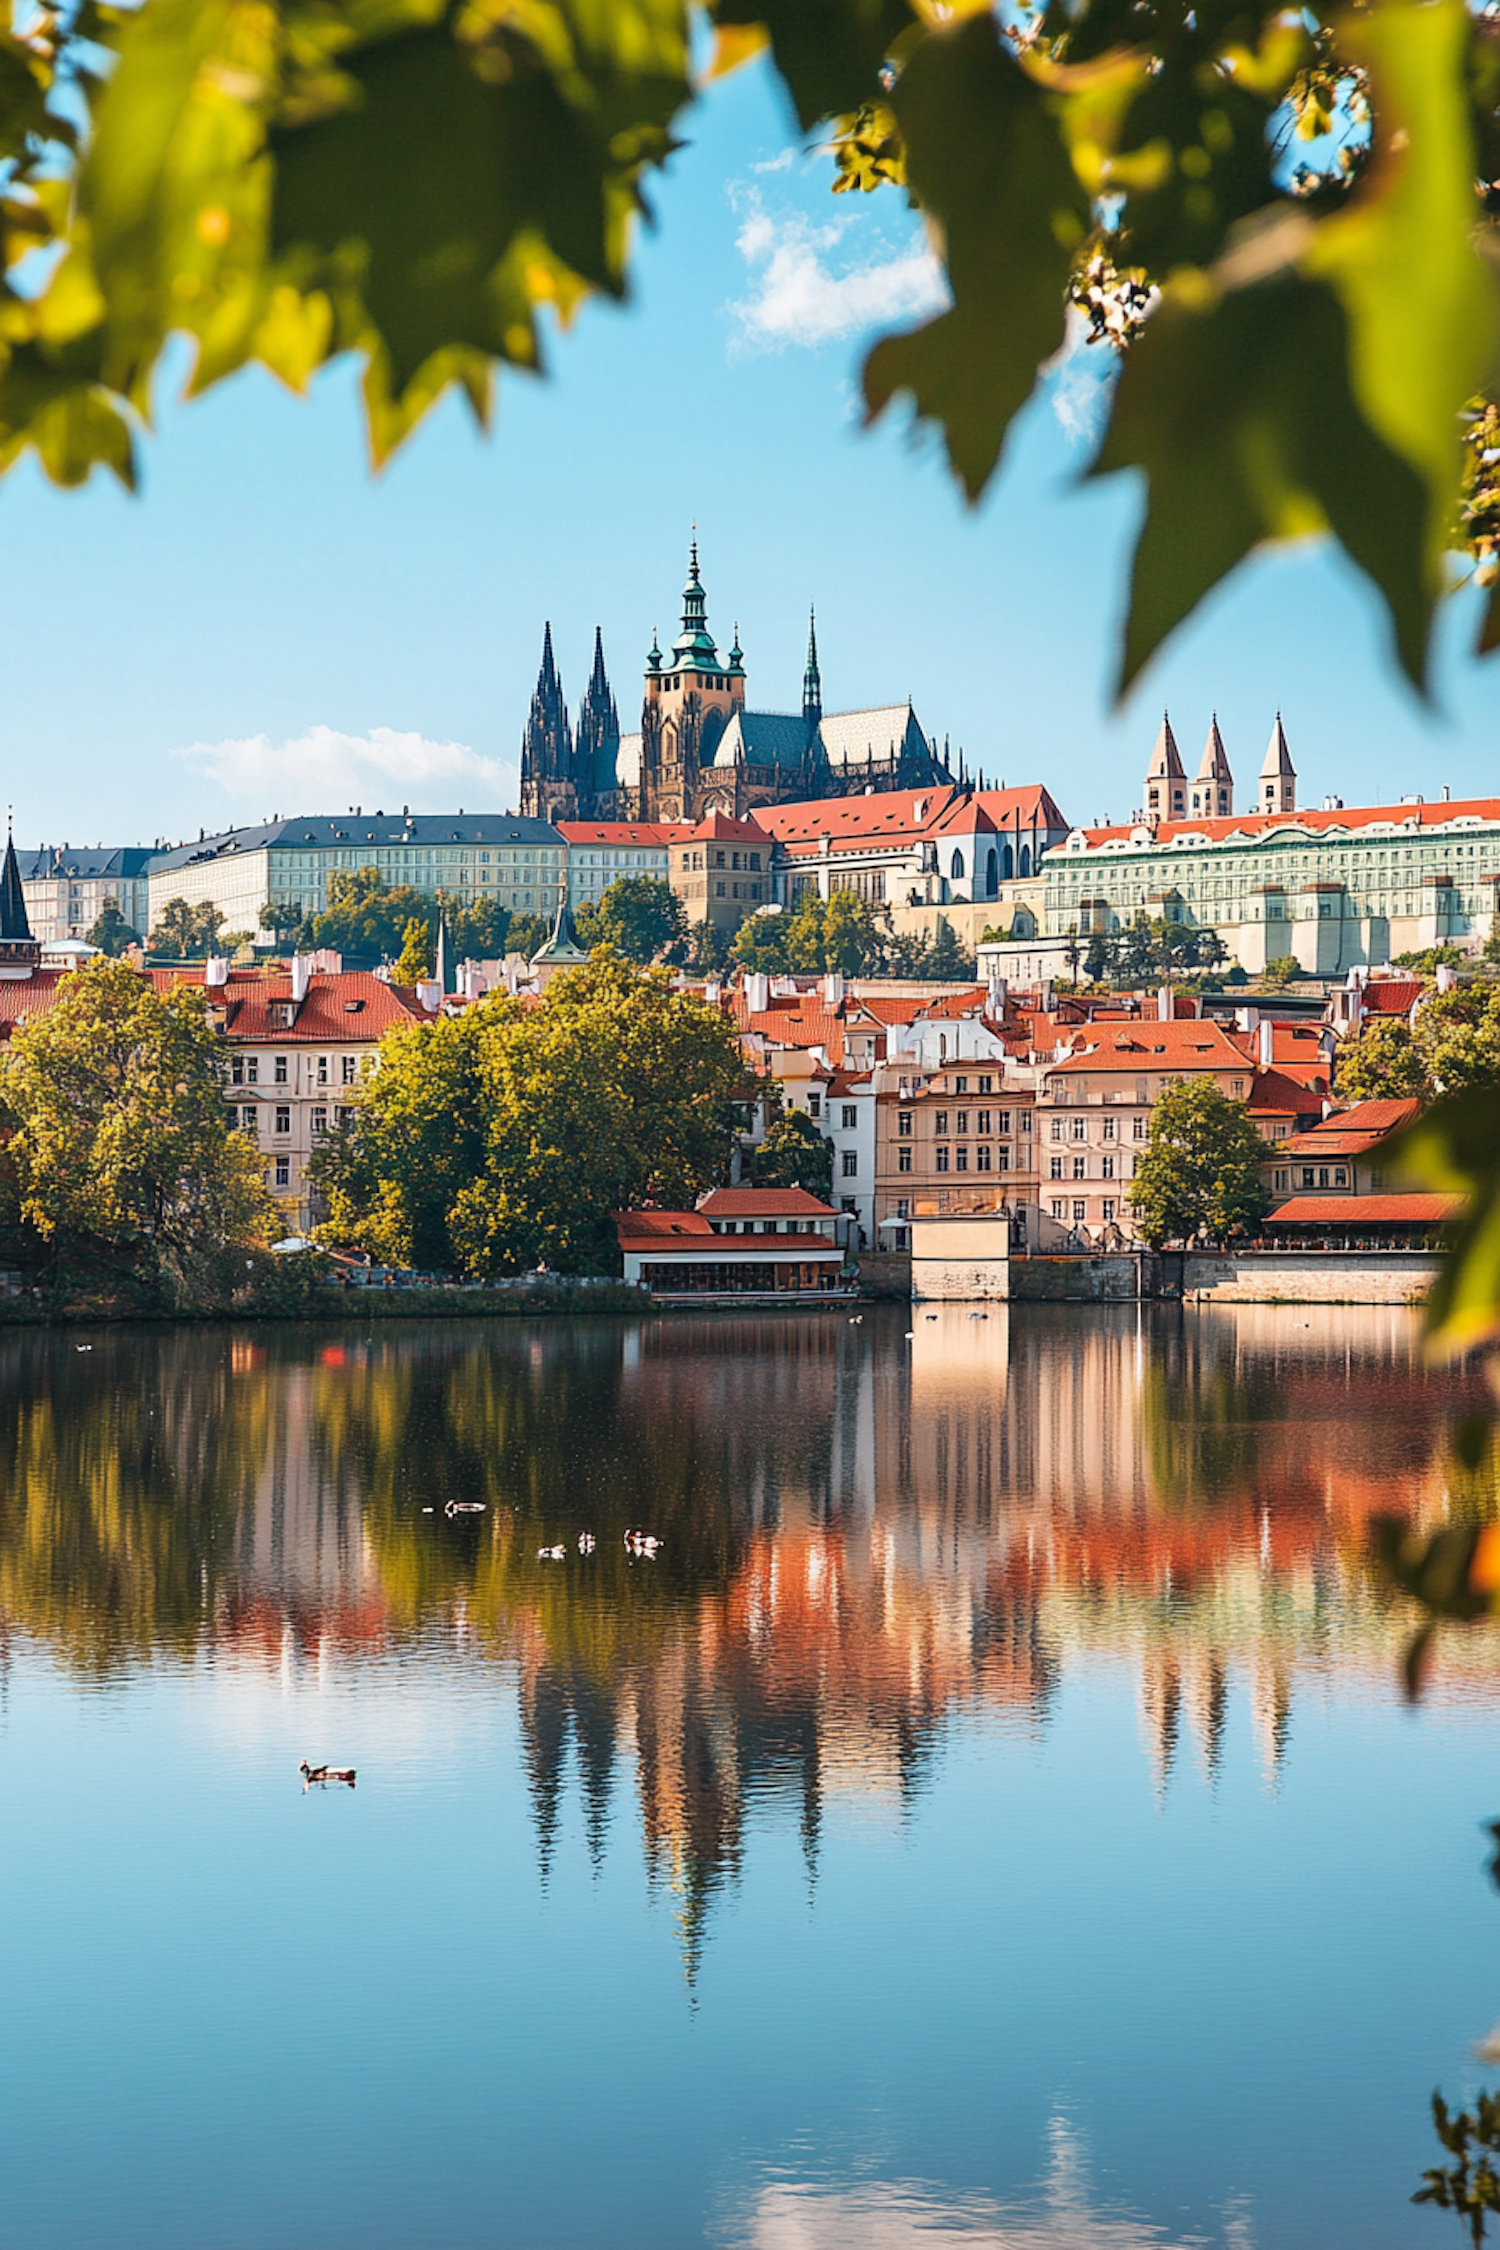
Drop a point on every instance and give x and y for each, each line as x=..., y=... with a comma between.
x=870, y=1540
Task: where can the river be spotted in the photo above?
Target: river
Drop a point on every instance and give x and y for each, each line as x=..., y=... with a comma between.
x=990, y=1818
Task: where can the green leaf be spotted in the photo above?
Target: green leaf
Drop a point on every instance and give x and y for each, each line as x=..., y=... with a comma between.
x=438, y=176
x=1455, y=1148
x=1241, y=415
x=828, y=52
x=985, y=161
x=1489, y=629
x=1422, y=306
x=52, y=403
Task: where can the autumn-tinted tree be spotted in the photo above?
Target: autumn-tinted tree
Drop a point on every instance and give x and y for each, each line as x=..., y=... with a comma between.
x=508, y=1135
x=1280, y=971
x=119, y=1131
x=795, y=1154
x=1199, y=1173
x=415, y=960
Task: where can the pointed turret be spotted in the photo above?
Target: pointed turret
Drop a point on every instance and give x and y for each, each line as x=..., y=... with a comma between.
x=1166, y=782
x=1213, y=791
x=812, y=680
x=597, y=743
x=19, y=951
x=547, y=744
x=1278, y=776
x=694, y=648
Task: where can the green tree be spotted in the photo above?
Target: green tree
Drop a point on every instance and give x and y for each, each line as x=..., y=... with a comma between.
x=640, y=916
x=414, y=963
x=480, y=931
x=1383, y=1064
x=1458, y=1036
x=851, y=940
x=186, y=933
x=1433, y=957
x=510, y=1134
x=795, y=1154
x=119, y=1131
x=707, y=949
x=112, y=933
x=365, y=918
x=1283, y=969
x=1199, y=1172
x=760, y=944
x=947, y=962
x=1101, y=959
x=282, y=916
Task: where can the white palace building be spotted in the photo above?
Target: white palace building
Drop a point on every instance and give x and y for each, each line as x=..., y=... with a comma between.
x=1340, y=888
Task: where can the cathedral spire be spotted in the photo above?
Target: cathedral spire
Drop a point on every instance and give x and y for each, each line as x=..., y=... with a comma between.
x=597, y=742
x=547, y=744
x=812, y=679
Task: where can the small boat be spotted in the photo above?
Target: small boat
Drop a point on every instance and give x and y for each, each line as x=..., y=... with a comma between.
x=324, y=1775
x=464, y=1508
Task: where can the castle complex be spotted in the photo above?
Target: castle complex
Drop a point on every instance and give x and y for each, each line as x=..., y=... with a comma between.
x=699, y=750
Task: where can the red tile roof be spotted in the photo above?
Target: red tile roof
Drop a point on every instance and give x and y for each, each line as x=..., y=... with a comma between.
x=1353, y=1132
x=1391, y=996
x=1436, y=815
x=726, y=829
x=622, y=831
x=353, y=1007
x=1354, y=1211
x=763, y=1203
x=1145, y=1047
x=1274, y=1093
x=659, y=1226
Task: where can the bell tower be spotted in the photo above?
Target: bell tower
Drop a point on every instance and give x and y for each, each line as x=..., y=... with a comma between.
x=1166, y=782
x=690, y=698
x=1278, y=776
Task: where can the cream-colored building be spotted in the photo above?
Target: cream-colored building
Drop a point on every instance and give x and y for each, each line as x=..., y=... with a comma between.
x=521, y=864
x=67, y=888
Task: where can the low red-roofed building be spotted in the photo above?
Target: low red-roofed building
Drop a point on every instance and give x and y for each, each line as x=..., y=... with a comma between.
x=1365, y=1222
x=1342, y=1156
x=740, y=1242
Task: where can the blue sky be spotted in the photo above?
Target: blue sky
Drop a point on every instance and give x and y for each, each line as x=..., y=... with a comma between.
x=269, y=628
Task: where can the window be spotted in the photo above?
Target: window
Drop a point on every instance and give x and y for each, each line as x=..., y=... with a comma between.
x=903, y=1124
x=1109, y=1128
x=942, y=1160
x=961, y=1160
x=1003, y=1163
x=1055, y=1170
x=849, y=1163
x=903, y=1206
x=279, y=1072
x=1340, y=1176
x=1059, y=1209
x=252, y=1070
x=351, y=1069
x=1080, y=1167
x=1283, y=1179
x=987, y=1085
x=250, y=1120
x=961, y=1122
x=814, y=1105
x=940, y=1123
x=236, y=1070
x=1109, y=1210
x=283, y=1171
x=1322, y=1175
x=851, y=1117
x=1057, y=1131
x=319, y=1122
x=1002, y=1121
x=1107, y=1168
x=981, y=1158
x=1307, y=1175
x=283, y=1118
x=1138, y=1129
x=1080, y=1212
x=903, y=1160
x=984, y=1121
x=322, y=1070
x=1025, y=1121
x=960, y=1085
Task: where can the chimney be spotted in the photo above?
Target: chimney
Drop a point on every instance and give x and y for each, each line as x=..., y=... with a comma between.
x=1446, y=978
x=757, y=992
x=430, y=996
x=1164, y=1003
x=1246, y=1019
x=471, y=981
x=215, y=971
x=833, y=987
x=301, y=977
x=1266, y=1044
x=712, y=992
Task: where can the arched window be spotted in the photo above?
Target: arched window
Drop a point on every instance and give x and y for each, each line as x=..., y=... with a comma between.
x=956, y=866
x=1025, y=859
x=1007, y=864
x=991, y=873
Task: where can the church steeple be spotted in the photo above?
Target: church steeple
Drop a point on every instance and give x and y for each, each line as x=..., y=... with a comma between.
x=1213, y=791
x=1166, y=782
x=694, y=649
x=812, y=680
x=547, y=744
x=19, y=951
x=598, y=739
x=1278, y=776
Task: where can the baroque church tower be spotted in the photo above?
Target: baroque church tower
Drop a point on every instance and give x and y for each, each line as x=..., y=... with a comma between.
x=691, y=696
x=1166, y=780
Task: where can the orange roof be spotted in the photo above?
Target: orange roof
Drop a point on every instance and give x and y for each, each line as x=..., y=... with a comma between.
x=764, y=1203
x=659, y=1226
x=1366, y=1210
x=1391, y=996
x=19, y=1002
x=622, y=831
x=727, y=829
x=888, y=815
x=1274, y=1093
x=1354, y=1132
x=1034, y=805
x=352, y=1006
x=1436, y=815
x=1196, y=1046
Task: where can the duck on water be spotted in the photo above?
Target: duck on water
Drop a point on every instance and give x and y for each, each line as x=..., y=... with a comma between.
x=323, y=1775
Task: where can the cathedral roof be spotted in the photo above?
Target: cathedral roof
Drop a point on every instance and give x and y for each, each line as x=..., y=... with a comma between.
x=763, y=738
x=850, y=738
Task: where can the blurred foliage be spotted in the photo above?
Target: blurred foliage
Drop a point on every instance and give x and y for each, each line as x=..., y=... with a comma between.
x=1284, y=225
x=1470, y=2185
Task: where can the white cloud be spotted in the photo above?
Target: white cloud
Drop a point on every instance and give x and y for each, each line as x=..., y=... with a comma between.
x=802, y=294
x=781, y=163
x=323, y=770
x=1081, y=378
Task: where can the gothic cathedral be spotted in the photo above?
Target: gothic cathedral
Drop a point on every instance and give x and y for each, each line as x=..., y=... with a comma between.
x=699, y=750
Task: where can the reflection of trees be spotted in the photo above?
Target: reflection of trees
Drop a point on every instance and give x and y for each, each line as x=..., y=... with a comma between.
x=860, y=1540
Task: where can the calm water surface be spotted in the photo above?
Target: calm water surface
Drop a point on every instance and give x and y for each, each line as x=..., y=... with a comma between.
x=991, y=1820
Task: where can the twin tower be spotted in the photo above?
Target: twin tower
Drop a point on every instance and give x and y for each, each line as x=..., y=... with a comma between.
x=1171, y=796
